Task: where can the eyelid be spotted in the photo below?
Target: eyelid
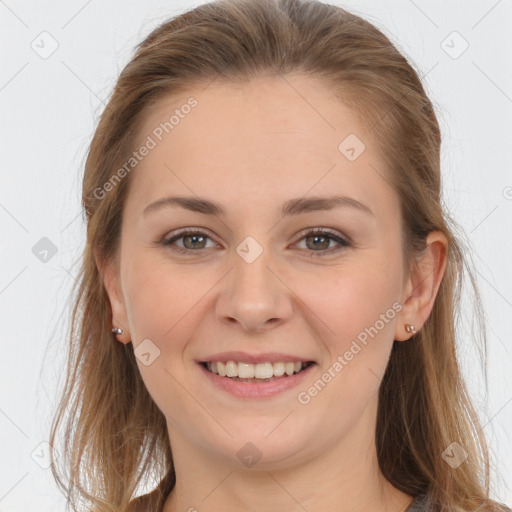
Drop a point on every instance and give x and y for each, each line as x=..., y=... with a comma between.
x=343, y=241
x=179, y=233
x=322, y=230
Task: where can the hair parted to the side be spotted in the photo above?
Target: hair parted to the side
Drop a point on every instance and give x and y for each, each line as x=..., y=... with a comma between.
x=115, y=435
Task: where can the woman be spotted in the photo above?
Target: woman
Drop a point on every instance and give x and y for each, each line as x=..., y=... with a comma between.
x=265, y=317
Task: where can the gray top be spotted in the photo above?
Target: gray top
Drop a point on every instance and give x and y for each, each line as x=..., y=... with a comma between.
x=420, y=504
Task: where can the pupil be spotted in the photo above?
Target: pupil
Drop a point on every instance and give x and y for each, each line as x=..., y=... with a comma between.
x=319, y=237
x=194, y=238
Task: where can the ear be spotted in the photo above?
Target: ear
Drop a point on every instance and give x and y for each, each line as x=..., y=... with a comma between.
x=112, y=285
x=422, y=285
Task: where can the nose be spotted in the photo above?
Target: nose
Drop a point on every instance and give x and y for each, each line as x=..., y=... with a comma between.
x=254, y=296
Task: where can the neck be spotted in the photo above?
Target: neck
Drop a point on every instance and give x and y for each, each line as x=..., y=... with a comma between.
x=344, y=477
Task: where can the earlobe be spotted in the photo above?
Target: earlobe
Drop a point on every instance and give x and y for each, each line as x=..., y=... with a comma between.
x=423, y=284
x=113, y=289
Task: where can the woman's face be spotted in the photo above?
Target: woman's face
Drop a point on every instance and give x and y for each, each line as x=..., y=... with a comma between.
x=252, y=279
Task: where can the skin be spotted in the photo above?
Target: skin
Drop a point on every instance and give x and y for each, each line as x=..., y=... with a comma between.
x=251, y=148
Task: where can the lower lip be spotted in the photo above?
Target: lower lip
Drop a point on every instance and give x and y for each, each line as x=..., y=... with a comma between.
x=257, y=389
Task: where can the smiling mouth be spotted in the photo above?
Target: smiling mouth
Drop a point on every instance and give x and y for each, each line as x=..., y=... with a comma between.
x=261, y=372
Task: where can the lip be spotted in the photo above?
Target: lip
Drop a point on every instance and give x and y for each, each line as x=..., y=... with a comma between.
x=256, y=389
x=244, y=357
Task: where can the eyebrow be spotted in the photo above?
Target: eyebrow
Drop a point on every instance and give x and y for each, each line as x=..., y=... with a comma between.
x=290, y=207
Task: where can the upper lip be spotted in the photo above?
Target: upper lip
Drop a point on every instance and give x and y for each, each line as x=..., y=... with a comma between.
x=244, y=357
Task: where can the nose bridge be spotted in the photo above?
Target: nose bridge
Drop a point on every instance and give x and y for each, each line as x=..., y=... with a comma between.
x=253, y=296
x=251, y=263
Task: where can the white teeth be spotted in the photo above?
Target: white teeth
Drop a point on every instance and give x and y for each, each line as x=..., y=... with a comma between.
x=245, y=370
x=258, y=371
x=231, y=369
x=278, y=369
x=289, y=368
x=263, y=370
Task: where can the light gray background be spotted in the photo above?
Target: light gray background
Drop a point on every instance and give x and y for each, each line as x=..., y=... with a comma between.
x=49, y=107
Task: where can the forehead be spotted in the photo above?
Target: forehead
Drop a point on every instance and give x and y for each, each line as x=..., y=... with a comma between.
x=282, y=135
x=256, y=113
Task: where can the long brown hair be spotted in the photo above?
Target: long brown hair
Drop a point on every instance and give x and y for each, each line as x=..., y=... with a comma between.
x=115, y=437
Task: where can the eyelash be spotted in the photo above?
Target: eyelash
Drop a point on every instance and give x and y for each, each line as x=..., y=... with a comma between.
x=329, y=233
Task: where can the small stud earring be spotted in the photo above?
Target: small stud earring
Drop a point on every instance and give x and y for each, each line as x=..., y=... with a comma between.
x=117, y=330
x=410, y=328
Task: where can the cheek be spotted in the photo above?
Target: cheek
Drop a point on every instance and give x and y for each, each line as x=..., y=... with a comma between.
x=158, y=296
x=162, y=303
x=350, y=298
x=357, y=306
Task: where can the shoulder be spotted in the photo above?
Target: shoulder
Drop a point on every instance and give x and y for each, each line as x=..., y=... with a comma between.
x=155, y=500
x=424, y=503
x=144, y=503
x=421, y=503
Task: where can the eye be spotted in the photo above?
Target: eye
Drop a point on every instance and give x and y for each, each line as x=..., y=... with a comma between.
x=192, y=239
x=318, y=241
